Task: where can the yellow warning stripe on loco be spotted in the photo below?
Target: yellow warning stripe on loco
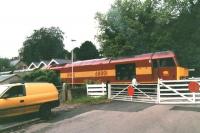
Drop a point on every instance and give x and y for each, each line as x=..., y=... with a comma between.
x=103, y=73
x=143, y=70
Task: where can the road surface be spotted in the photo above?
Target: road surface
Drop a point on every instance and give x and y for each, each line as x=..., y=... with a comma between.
x=121, y=117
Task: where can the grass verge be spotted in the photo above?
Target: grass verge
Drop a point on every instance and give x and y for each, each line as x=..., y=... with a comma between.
x=89, y=100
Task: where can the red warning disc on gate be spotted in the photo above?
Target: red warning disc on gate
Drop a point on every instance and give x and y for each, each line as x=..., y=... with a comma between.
x=131, y=90
x=193, y=86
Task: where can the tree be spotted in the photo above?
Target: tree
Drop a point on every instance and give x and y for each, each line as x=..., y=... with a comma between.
x=43, y=44
x=133, y=27
x=76, y=54
x=88, y=51
x=43, y=76
x=67, y=54
x=185, y=33
x=5, y=65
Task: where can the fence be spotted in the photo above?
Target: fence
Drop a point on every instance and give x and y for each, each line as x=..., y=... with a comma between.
x=164, y=92
x=96, y=90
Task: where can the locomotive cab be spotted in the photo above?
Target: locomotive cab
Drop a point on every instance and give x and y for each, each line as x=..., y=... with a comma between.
x=164, y=68
x=168, y=69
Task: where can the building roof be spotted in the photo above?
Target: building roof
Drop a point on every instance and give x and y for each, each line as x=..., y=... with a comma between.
x=61, y=61
x=6, y=77
x=43, y=64
x=36, y=63
x=14, y=62
x=47, y=63
x=4, y=73
x=33, y=65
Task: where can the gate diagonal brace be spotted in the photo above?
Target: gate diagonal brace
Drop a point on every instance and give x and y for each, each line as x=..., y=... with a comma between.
x=142, y=92
x=119, y=93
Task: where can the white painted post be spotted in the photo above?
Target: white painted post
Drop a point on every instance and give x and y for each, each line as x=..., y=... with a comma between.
x=193, y=94
x=109, y=91
x=158, y=91
x=102, y=87
x=87, y=88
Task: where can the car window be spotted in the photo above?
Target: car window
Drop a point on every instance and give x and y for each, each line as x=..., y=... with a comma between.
x=15, y=91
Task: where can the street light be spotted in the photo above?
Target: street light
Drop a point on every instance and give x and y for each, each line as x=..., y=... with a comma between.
x=72, y=64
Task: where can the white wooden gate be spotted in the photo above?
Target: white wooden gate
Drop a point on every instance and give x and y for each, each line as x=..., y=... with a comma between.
x=142, y=93
x=164, y=92
x=177, y=92
x=119, y=92
x=96, y=90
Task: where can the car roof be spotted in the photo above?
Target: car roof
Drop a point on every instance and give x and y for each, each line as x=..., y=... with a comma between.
x=10, y=85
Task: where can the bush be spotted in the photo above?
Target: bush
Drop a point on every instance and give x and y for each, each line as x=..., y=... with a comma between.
x=79, y=91
x=49, y=76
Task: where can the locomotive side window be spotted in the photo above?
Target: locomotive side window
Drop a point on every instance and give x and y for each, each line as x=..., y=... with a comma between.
x=125, y=71
x=167, y=62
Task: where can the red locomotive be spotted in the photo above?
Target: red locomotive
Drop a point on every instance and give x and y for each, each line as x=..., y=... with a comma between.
x=145, y=68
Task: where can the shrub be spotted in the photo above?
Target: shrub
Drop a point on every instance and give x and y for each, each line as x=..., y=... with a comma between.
x=49, y=76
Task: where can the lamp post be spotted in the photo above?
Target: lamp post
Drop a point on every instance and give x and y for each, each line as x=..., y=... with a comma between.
x=72, y=58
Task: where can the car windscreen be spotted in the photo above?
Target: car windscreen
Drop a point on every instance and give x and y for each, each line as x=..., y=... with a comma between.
x=3, y=89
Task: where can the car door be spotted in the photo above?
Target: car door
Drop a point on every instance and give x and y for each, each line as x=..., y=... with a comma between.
x=12, y=101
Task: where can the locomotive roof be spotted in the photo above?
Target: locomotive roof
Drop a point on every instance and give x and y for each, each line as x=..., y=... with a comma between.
x=157, y=55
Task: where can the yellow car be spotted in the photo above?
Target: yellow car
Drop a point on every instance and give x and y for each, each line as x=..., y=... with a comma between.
x=18, y=99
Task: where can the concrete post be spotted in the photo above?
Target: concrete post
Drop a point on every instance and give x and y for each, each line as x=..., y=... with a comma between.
x=63, y=93
x=69, y=93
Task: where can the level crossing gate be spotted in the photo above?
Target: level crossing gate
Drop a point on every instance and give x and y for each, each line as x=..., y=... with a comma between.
x=164, y=92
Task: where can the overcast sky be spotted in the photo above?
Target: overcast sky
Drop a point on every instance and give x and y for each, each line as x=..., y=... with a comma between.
x=18, y=19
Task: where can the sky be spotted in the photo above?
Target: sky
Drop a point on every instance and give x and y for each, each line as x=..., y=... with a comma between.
x=19, y=18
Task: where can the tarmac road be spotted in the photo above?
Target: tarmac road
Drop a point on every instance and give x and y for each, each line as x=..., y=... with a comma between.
x=122, y=117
